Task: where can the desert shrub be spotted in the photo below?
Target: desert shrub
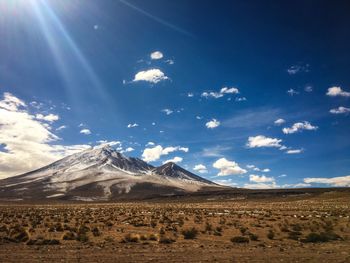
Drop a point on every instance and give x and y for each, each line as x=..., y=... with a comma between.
x=253, y=237
x=153, y=223
x=243, y=230
x=294, y=235
x=166, y=240
x=297, y=227
x=131, y=238
x=190, y=233
x=322, y=237
x=208, y=227
x=162, y=231
x=240, y=239
x=270, y=234
x=41, y=242
x=69, y=236
x=96, y=232
x=153, y=237
x=143, y=237
x=18, y=234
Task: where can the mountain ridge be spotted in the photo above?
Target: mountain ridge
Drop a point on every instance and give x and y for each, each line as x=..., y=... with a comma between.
x=101, y=174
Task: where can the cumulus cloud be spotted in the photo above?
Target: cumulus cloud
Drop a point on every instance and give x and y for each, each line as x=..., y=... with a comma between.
x=227, y=167
x=342, y=181
x=263, y=141
x=299, y=126
x=260, y=179
x=28, y=143
x=132, y=125
x=85, y=131
x=337, y=91
x=156, y=55
x=200, y=168
x=150, y=144
x=50, y=117
x=212, y=124
x=151, y=75
x=154, y=153
x=219, y=94
x=279, y=121
x=340, y=110
x=176, y=159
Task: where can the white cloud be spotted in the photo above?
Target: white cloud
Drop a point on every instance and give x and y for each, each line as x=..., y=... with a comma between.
x=226, y=90
x=298, y=185
x=11, y=103
x=85, y=131
x=212, y=94
x=342, y=181
x=292, y=92
x=308, y=88
x=340, y=110
x=61, y=127
x=241, y=99
x=176, y=159
x=294, y=69
x=261, y=186
x=294, y=151
x=170, y=61
x=129, y=149
x=337, y=91
x=212, y=124
x=200, y=168
x=28, y=142
x=199, y=117
x=150, y=144
x=108, y=143
x=263, y=141
x=132, y=125
x=260, y=179
x=227, y=167
x=50, y=117
x=154, y=154
x=299, y=126
x=190, y=94
x=282, y=175
x=227, y=182
x=151, y=75
x=266, y=170
x=167, y=111
x=156, y=55
x=221, y=93
x=279, y=121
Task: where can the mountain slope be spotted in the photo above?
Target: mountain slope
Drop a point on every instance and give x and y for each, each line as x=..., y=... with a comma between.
x=101, y=174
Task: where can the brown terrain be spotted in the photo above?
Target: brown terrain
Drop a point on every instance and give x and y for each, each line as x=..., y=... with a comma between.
x=269, y=226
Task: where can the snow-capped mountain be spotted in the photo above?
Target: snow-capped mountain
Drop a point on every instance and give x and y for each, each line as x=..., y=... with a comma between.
x=101, y=174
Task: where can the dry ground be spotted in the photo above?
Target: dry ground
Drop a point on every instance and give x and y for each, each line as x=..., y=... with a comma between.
x=307, y=229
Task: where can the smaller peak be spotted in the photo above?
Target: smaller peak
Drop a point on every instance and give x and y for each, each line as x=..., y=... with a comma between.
x=171, y=165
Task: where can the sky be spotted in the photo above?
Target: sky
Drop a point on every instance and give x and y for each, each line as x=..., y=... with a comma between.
x=251, y=94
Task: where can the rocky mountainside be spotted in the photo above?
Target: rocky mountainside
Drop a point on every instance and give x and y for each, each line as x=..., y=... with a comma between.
x=101, y=174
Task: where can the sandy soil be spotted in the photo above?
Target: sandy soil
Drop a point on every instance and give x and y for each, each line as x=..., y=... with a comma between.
x=307, y=229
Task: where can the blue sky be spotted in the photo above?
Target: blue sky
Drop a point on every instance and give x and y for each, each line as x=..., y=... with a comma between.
x=203, y=82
